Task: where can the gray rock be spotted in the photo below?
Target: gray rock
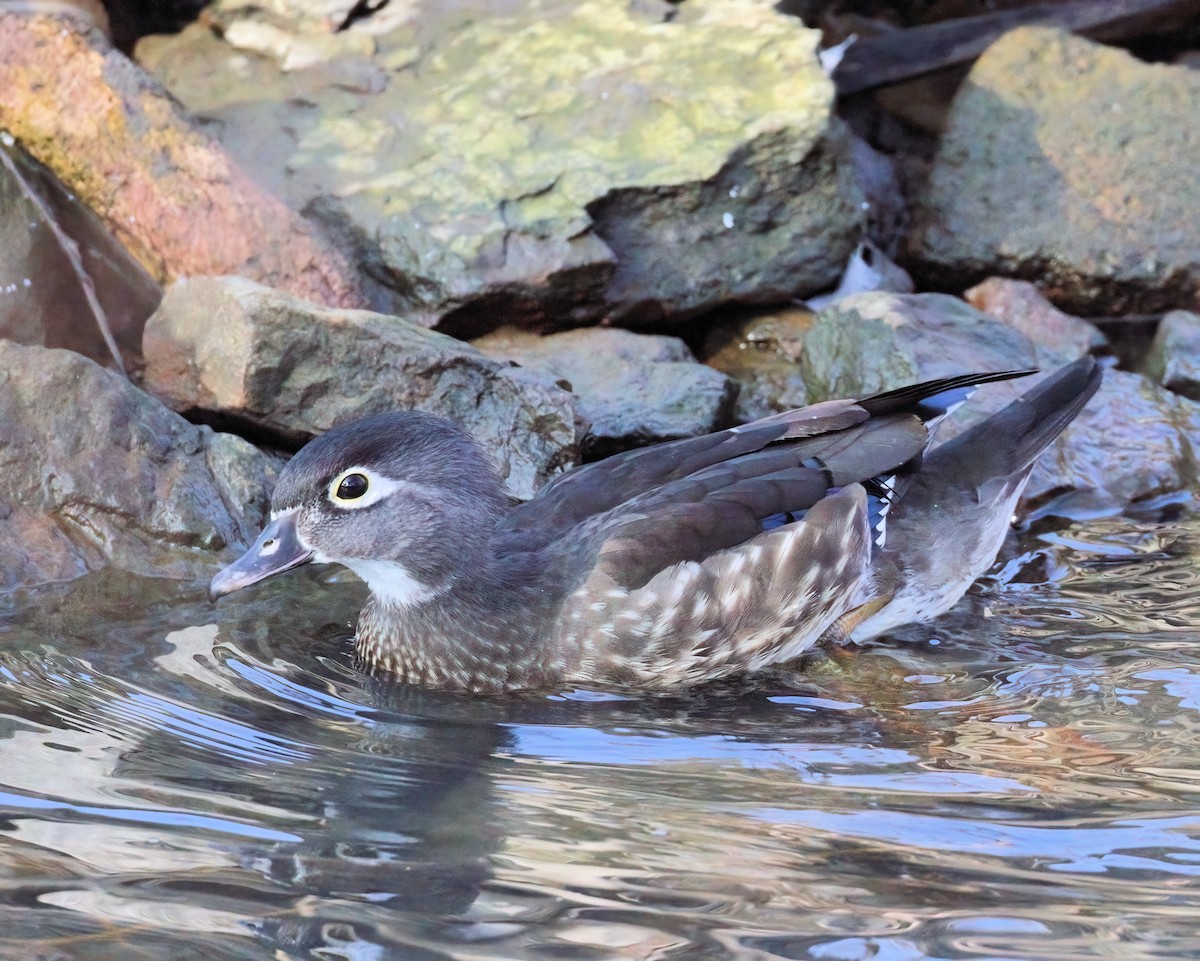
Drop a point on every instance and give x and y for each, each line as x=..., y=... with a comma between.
x=877, y=341
x=1133, y=441
x=1130, y=443
x=1020, y=304
x=635, y=389
x=549, y=163
x=1174, y=357
x=96, y=473
x=776, y=222
x=1105, y=210
x=286, y=366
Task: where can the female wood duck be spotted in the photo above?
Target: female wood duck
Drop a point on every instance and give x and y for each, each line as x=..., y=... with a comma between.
x=667, y=566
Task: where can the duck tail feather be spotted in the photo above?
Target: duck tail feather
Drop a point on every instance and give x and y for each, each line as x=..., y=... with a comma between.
x=934, y=398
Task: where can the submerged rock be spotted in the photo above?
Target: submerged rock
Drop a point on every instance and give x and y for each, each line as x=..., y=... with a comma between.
x=634, y=389
x=1174, y=358
x=762, y=356
x=549, y=163
x=96, y=473
x=290, y=368
x=1105, y=211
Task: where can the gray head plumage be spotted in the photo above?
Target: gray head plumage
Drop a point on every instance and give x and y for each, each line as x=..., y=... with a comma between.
x=415, y=446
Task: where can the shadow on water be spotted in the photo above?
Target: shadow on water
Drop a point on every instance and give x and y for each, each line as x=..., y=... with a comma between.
x=1019, y=779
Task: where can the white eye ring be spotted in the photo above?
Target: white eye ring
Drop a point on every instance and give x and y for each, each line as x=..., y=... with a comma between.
x=377, y=488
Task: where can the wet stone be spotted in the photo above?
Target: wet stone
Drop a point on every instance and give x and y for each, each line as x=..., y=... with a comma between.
x=1105, y=211
x=108, y=476
x=1132, y=442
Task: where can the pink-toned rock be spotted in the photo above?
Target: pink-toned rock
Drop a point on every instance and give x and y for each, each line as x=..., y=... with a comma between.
x=169, y=193
x=1020, y=304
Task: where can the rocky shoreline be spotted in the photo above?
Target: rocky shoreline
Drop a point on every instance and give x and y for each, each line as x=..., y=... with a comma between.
x=576, y=228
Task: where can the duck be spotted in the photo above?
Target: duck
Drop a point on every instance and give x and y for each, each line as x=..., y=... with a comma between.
x=664, y=567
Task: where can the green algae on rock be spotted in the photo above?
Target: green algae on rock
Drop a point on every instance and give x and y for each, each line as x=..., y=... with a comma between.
x=560, y=161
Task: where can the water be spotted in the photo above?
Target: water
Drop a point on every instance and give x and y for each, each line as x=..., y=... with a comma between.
x=1021, y=780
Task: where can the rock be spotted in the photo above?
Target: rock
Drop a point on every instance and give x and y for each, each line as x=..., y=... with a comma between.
x=877, y=341
x=511, y=171
x=1174, y=358
x=762, y=355
x=635, y=389
x=64, y=281
x=1105, y=212
x=168, y=192
x=1021, y=305
x=105, y=475
x=265, y=359
x=1131, y=442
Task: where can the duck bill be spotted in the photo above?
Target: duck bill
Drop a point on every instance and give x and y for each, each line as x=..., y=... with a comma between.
x=277, y=549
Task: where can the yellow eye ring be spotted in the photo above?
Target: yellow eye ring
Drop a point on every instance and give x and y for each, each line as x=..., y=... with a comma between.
x=349, y=486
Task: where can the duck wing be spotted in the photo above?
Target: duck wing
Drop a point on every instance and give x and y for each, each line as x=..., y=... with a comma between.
x=714, y=491
x=738, y=609
x=593, y=489
x=727, y=504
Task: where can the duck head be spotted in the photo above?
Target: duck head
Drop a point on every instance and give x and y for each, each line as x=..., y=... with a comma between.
x=406, y=500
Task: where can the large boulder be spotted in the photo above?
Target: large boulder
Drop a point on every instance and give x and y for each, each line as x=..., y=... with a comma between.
x=1105, y=210
x=265, y=360
x=633, y=389
x=96, y=473
x=543, y=163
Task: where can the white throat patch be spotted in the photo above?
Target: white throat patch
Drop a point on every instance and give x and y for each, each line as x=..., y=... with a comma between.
x=390, y=582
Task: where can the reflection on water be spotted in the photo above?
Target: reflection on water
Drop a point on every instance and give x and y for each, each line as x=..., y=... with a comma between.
x=1020, y=780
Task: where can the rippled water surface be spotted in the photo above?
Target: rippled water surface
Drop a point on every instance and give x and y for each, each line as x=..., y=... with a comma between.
x=1019, y=780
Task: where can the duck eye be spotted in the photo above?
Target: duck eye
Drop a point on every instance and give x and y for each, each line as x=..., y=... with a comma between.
x=351, y=487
